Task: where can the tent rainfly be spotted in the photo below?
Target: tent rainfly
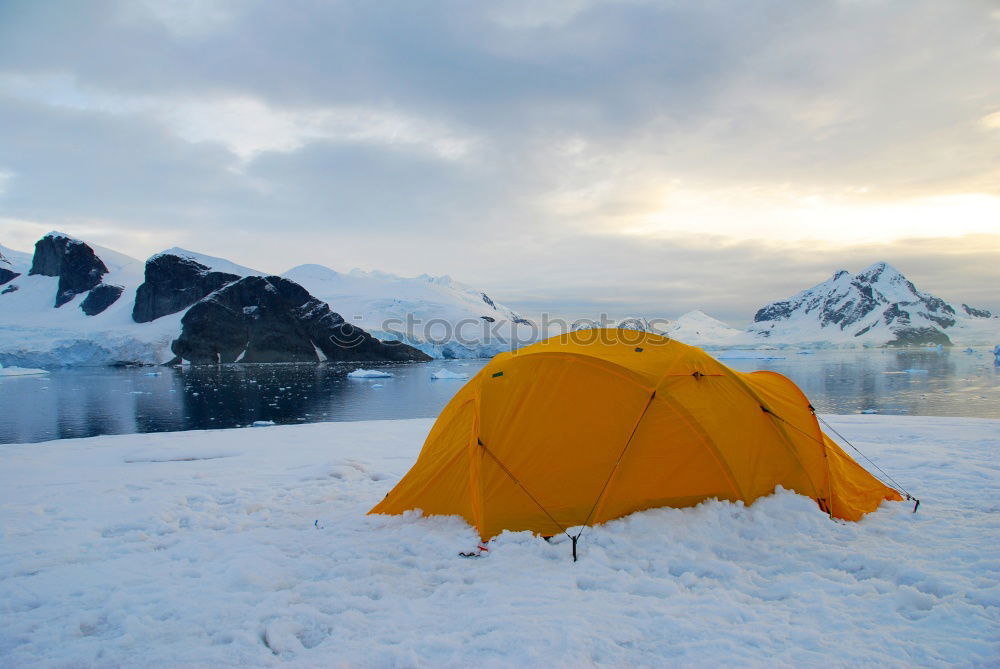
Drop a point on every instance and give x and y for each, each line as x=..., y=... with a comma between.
x=593, y=425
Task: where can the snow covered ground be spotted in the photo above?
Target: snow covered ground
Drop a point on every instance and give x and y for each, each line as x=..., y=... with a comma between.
x=252, y=547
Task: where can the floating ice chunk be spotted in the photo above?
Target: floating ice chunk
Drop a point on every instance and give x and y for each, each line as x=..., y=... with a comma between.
x=369, y=374
x=915, y=371
x=263, y=423
x=869, y=411
x=21, y=371
x=447, y=374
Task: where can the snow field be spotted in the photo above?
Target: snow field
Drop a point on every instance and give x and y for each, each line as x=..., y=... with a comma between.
x=252, y=547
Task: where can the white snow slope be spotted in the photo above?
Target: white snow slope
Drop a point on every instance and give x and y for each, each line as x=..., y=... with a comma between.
x=252, y=548
x=439, y=316
x=697, y=328
x=211, y=262
x=15, y=261
x=35, y=334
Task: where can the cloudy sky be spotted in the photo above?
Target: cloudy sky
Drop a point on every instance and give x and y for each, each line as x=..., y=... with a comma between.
x=567, y=156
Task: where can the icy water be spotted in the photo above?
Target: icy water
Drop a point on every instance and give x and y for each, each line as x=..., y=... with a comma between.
x=85, y=402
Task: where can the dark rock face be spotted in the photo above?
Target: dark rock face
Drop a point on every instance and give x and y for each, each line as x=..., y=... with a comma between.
x=6, y=273
x=77, y=266
x=173, y=283
x=271, y=319
x=972, y=311
x=919, y=337
x=775, y=311
x=9, y=289
x=100, y=298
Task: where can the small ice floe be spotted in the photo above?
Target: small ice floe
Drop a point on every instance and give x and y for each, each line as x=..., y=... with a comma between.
x=262, y=423
x=369, y=374
x=869, y=411
x=915, y=371
x=21, y=371
x=377, y=385
x=447, y=374
x=969, y=350
x=806, y=352
x=153, y=373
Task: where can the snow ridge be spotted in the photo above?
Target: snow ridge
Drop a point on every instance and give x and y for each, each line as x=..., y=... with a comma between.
x=211, y=262
x=436, y=314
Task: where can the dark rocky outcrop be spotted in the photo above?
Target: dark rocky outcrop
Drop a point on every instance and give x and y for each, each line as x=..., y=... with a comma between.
x=972, y=311
x=9, y=289
x=173, y=283
x=271, y=319
x=100, y=298
x=77, y=266
x=919, y=337
x=6, y=271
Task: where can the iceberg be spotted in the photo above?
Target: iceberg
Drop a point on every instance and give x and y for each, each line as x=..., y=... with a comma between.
x=447, y=374
x=369, y=374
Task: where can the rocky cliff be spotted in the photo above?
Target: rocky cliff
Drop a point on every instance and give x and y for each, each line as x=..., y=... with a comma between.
x=74, y=262
x=79, y=270
x=271, y=319
x=174, y=282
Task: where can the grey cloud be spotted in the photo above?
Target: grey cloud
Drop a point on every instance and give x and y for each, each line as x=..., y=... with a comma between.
x=590, y=109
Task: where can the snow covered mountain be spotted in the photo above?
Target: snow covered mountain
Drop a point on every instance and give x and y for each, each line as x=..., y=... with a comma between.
x=82, y=304
x=34, y=332
x=697, y=328
x=75, y=303
x=636, y=323
x=440, y=316
x=876, y=307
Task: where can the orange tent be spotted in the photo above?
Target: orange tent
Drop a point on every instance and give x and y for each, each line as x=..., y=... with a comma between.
x=593, y=425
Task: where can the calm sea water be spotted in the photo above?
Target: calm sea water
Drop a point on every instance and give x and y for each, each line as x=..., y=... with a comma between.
x=85, y=402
